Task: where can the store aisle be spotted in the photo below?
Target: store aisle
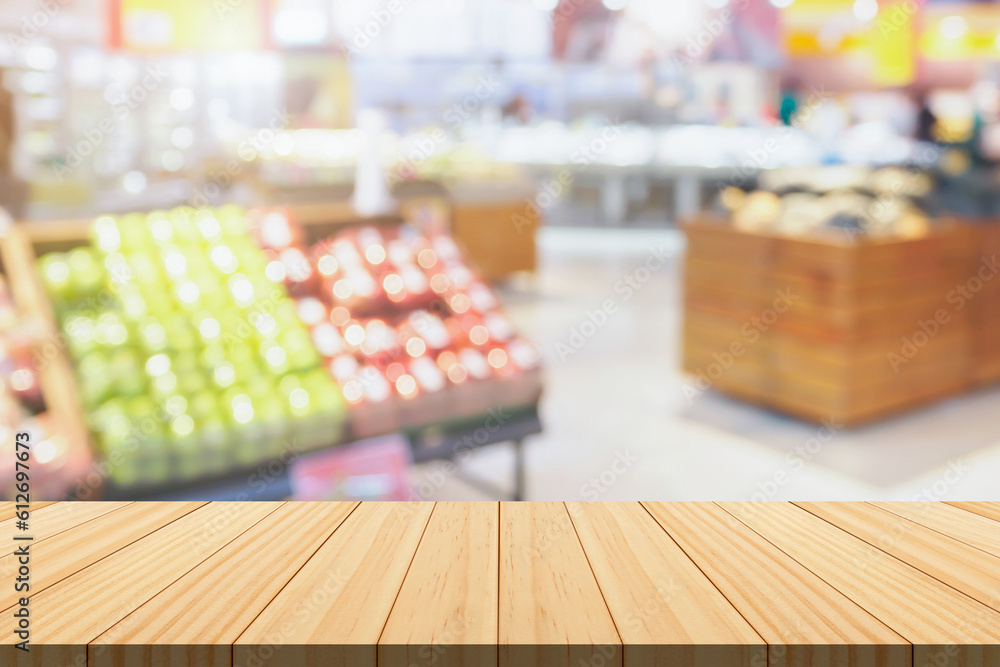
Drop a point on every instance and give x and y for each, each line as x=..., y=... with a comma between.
x=605, y=310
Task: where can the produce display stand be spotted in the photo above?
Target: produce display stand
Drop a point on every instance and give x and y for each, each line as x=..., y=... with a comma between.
x=28, y=240
x=986, y=309
x=833, y=328
x=271, y=480
x=508, y=584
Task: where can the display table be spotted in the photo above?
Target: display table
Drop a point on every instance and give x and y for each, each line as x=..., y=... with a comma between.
x=508, y=583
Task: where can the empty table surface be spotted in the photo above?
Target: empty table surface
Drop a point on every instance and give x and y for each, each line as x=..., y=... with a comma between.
x=513, y=584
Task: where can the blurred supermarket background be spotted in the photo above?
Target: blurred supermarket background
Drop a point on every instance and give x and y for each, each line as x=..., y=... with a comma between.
x=471, y=249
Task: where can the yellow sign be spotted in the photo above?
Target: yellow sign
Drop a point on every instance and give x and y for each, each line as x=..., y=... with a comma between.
x=189, y=25
x=892, y=43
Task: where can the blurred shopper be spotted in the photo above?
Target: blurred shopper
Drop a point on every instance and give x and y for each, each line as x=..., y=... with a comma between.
x=789, y=102
x=926, y=120
x=518, y=109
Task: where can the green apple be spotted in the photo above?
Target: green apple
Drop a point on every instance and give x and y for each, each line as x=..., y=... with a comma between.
x=241, y=355
x=211, y=355
x=87, y=272
x=180, y=333
x=208, y=327
x=205, y=404
x=127, y=370
x=135, y=236
x=96, y=380
x=151, y=336
x=79, y=330
x=233, y=220
x=145, y=269
x=133, y=303
x=275, y=357
x=185, y=446
x=186, y=231
x=301, y=352
x=56, y=275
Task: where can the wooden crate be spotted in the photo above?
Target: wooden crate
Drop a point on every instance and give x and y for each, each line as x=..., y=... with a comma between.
x=984, y=306
x=55, y=373
x=497, y=229
x=830, y=328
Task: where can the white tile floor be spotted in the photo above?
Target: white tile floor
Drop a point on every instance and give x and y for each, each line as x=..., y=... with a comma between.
x=619, y=398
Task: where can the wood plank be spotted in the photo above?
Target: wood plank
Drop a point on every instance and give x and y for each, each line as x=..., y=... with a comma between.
x=251, y=569
x=944, y=625
x=446, y=611
x=551, y=609
x=805, y=621
x=72, y=613
x=56, y=518
x=7, y=508
x=405, y=584
x=666, y=610
x=72, y=550
x=988, y=510
x=954, y=522
x=332, y=612
x=963, y=567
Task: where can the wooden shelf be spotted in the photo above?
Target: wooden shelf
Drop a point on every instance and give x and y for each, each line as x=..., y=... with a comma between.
x=512, y=584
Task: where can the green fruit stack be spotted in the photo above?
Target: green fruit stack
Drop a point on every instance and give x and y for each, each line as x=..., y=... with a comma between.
x=190, y=361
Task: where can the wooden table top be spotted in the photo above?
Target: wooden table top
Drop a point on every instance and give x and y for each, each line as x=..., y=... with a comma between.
x=513, y=584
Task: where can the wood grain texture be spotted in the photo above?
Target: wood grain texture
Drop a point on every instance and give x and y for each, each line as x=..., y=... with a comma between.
x=666, y=611
x=963, y=567
x=552, y=612
x=74, y=549
x=988, y=510
x=944, y=625
x=75, y=611
x=446, y=611
x=55, y=518
x=447, y=584
x=805, y=621
x=973, y=529
x=332, y=612
x=7, y=508
x=251, y=569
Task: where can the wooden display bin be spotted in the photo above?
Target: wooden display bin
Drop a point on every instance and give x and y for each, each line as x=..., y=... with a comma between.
x=829, y=329
x=985, y=306
x=496, y=226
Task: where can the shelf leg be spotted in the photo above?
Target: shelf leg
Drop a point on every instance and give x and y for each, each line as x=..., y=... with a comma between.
x=519, y=490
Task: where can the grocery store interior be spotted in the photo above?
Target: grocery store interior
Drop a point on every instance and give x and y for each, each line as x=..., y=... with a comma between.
x=500, y=249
